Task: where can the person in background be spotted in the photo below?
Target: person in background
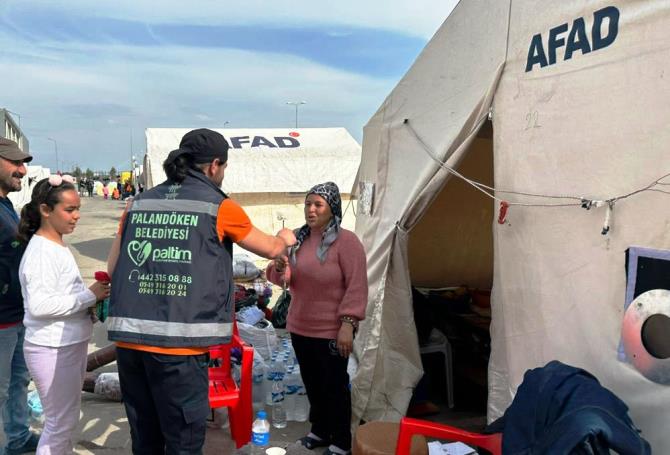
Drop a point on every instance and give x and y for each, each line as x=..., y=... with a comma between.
x=173, y=293
x=82, y=186
x=57, y=318
x=105, y=191
x=327, y=276
x=14, y=376
x=127, y=189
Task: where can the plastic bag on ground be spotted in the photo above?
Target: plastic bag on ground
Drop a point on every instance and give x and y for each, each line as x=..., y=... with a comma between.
x=250, y=315
x=261, y=336
x=258, y=380
x=35, y=406
x=108, y=386
x=244, y=269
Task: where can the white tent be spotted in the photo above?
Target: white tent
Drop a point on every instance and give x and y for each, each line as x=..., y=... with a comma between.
x=269, y=170
x=34, y=175
x=576, y=92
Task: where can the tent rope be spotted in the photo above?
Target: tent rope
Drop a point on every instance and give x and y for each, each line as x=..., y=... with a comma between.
x=488, y=189
x=585, y=203
x=350, y=204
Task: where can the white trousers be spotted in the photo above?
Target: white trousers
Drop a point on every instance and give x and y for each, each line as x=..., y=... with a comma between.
x=59, y=375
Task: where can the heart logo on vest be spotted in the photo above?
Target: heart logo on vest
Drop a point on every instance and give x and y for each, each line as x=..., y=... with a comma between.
x=139, y=251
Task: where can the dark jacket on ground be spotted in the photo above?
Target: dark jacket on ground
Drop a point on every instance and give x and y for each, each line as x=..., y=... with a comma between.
x=559, y=409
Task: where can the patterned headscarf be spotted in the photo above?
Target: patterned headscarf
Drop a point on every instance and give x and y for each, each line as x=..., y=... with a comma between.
x=331, y=193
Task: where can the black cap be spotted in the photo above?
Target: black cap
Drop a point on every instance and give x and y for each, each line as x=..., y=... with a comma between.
x=203, y=145
x=10, y=150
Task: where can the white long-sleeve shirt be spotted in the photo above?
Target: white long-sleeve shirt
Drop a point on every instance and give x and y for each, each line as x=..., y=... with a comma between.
x=54, y=295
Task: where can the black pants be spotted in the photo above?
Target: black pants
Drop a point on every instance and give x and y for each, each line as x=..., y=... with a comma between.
x=324, y=372
x=166, y=400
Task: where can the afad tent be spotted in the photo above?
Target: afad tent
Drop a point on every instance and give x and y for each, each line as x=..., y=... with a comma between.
x=269, y=170
x=577, y=97
x=33, y=175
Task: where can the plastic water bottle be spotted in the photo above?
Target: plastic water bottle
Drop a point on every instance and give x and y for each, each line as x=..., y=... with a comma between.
x=278, y=411
x=260, y=434
x=269, y=378
x=276, y=371
x=258, y=383
x=301, y=405
x=292, y=355
x=291, y=386
x=35, y=406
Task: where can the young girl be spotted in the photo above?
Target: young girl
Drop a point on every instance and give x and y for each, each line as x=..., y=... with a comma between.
x=56, y=303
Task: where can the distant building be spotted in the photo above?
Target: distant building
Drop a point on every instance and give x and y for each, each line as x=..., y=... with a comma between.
x=11, y=130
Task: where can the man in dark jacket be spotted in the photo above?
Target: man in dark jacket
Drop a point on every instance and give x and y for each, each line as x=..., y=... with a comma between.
x=172, y=293
x=14, y=376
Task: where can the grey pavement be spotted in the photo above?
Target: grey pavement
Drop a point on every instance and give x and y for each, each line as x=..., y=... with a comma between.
x=103, y=427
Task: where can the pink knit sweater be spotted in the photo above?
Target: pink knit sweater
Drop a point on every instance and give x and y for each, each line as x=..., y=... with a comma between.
x=322, y=292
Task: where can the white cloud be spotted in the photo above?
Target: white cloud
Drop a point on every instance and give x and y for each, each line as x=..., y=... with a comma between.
x=418, y=18
x=96, y=100
x=90, y=105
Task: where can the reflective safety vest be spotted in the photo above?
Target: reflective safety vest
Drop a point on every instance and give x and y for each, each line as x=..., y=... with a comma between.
x=173, y=284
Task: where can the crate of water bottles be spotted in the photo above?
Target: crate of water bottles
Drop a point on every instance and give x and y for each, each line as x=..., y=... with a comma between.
x=284, y=390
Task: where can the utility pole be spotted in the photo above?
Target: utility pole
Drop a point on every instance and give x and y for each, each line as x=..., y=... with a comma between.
x=56, y=150
x=296, y=104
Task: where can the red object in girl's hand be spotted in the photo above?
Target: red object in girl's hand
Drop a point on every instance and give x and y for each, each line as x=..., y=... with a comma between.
x=102, y=277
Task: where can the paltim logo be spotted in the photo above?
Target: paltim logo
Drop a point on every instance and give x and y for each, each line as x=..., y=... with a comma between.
x=139, y=251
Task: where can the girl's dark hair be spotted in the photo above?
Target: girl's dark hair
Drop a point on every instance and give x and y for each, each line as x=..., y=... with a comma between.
x=177, y=169
x=43, y=193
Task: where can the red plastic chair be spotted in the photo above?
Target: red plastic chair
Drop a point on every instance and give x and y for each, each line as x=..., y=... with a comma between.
x=223, y=391
x=409, y=427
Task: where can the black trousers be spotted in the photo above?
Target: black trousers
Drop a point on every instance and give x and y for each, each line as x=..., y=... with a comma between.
x=324, y=372
x=166, y=400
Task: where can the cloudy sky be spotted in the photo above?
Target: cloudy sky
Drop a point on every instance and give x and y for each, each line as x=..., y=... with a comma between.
x=94, y=75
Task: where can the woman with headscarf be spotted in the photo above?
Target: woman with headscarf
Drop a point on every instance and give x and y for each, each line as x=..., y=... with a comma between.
x=327, y=275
